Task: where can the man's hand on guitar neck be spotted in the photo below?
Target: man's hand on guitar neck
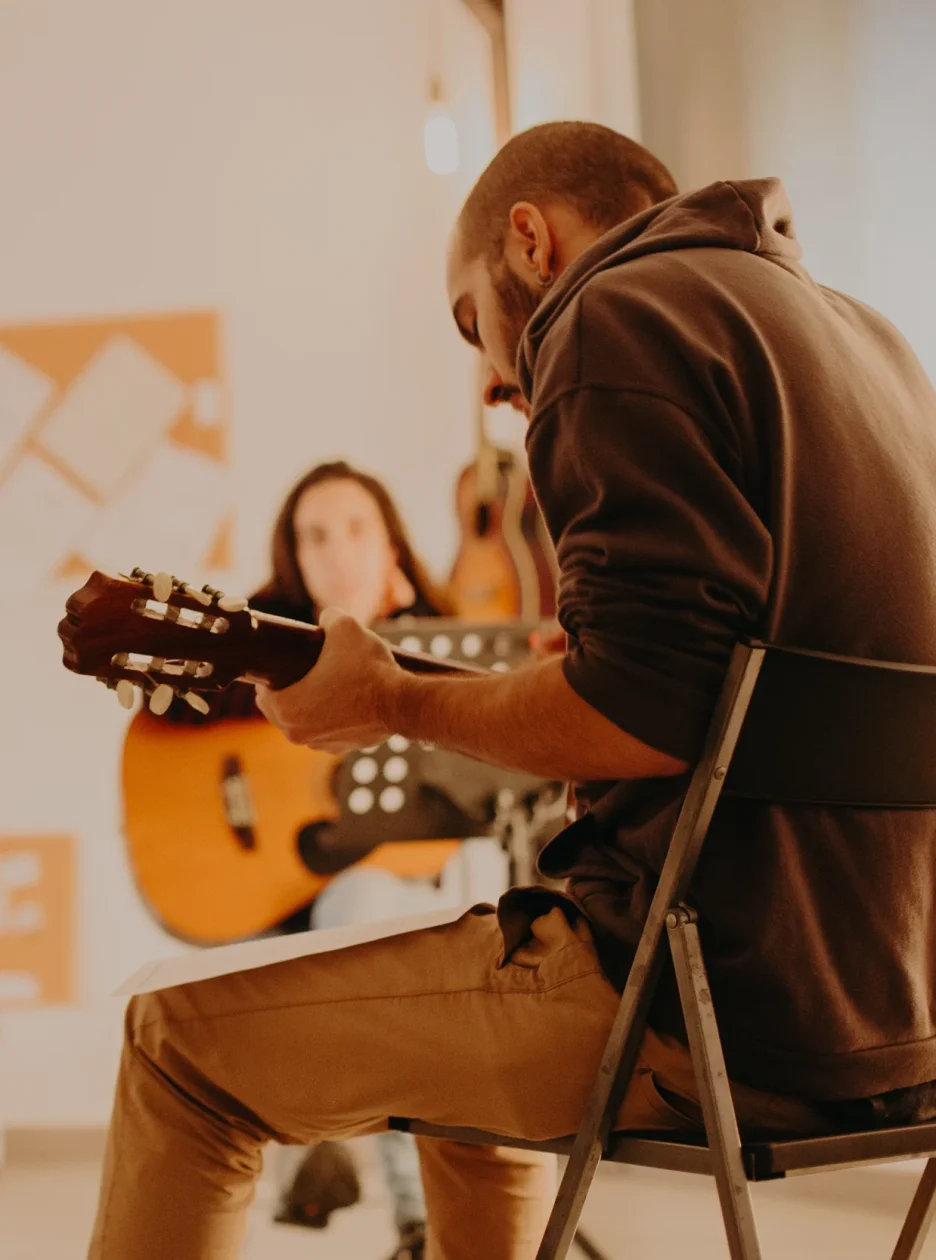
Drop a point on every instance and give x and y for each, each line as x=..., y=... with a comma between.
x=529, y=719
x=338, y=706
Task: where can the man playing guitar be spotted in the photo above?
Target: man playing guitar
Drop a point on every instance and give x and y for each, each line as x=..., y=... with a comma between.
x=721, y=449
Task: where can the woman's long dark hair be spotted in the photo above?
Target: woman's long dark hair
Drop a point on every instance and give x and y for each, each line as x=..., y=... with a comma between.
x=286, y=582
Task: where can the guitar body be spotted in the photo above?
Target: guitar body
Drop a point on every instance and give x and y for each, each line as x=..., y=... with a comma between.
x=206, y=879
x=230, y=829
x=503, y=570
x=483, y=581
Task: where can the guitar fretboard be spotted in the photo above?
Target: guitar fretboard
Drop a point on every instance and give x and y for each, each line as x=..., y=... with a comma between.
x=492, y=646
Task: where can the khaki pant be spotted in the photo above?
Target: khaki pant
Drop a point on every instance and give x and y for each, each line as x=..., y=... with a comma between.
x=427, y=1025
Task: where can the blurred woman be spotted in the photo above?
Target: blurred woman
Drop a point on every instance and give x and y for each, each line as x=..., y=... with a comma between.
x=340, y=541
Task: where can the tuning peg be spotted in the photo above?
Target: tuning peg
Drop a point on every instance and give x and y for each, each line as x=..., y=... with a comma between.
x=163, y=586
x=202, y=596
x=227, y=603
x=198, y=703
x=124, y=689
x=232, y=603
x=160, y=699
x=126, y=693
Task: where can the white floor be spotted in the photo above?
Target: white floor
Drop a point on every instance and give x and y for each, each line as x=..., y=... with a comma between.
x=632, y=1214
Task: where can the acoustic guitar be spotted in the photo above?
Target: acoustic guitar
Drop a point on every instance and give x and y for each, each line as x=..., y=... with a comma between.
x=231, y=829
x=505, y=568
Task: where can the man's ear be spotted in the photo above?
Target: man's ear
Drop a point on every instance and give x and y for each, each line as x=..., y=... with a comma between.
x=529, y=247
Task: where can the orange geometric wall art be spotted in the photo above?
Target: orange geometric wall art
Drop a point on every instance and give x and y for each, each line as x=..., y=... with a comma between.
x=37, y=920
x=114, y=439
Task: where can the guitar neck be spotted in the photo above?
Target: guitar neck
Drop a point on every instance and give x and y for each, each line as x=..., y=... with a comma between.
x=282, y=651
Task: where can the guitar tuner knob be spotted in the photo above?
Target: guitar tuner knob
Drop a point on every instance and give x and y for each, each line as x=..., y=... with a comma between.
x=126, y=693
x=163, y=586
x=197, y=702
x=203, y=597
x=231, y=603
x=227, y=603
x=160, y=699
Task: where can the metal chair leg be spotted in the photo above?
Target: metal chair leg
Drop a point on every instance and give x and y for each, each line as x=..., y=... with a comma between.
x=721, y=1123
x=620, y=1055
x=587, y=1247
x=919, y=1218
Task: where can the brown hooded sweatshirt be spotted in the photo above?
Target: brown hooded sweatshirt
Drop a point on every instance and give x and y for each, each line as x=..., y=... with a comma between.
x=723, y=448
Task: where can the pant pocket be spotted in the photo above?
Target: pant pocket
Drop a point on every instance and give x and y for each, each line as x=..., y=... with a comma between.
x=675, y=1111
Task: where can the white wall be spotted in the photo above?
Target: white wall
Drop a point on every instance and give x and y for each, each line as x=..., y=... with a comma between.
x=573, y=59
x=265, y=160
x=837, y=98
x=896, y=157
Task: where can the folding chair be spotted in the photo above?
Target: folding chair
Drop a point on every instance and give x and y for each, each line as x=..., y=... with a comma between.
x=790, y=727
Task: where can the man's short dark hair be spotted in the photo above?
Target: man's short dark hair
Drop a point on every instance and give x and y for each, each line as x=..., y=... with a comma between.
x=601, y=174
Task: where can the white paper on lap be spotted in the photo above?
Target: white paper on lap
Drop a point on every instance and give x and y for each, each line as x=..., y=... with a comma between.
x=224, y=960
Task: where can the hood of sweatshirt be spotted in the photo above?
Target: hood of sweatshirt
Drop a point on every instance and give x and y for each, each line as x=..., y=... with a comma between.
x=751, y=215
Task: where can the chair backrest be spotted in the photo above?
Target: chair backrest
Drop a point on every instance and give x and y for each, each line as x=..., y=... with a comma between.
x=833, y=730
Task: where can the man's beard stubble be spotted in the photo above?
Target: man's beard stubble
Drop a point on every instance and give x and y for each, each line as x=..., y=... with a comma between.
x=518, y=304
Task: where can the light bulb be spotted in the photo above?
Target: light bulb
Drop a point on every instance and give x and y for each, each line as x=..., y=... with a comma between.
x=440, y=135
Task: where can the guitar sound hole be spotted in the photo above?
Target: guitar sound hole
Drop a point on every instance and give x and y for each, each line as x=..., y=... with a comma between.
x=317, y=849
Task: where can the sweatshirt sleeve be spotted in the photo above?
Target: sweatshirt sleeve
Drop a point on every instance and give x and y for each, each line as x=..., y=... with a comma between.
x=663, y=563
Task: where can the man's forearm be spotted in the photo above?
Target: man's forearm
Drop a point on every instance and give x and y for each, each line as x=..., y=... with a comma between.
x=528, y=720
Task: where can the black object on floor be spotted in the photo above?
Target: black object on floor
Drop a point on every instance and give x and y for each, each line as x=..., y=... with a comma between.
x=326, y=1180
x=412, y=1245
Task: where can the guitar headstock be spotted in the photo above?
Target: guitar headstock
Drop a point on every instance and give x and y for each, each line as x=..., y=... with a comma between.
x=157, y=633
x=162, y=635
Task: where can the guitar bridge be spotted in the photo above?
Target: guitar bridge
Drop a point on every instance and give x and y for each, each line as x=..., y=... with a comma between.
x=238, y=803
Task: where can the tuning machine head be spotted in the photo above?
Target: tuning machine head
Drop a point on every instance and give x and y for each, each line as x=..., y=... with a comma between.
x=159, y=695
x=165, y=584
x=156, y=632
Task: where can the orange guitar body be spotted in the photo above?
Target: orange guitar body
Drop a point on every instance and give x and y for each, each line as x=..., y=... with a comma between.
x=195, y=875
x=484, y=578
x=504, y=569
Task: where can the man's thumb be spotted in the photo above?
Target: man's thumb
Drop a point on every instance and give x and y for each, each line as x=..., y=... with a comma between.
x=329, y=617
